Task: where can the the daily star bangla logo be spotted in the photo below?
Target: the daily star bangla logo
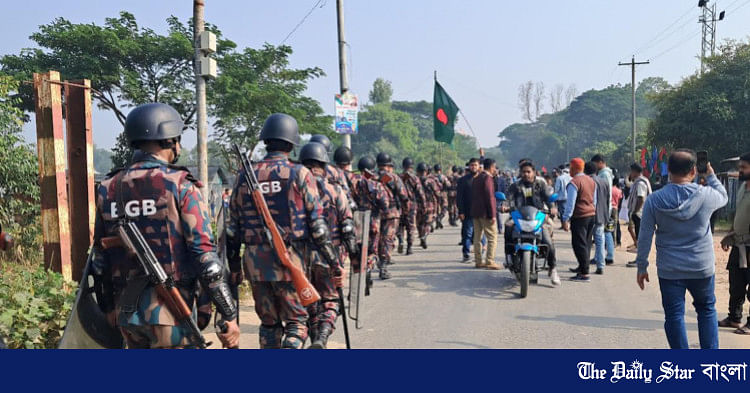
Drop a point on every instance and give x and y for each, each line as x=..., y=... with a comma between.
x=441, y=116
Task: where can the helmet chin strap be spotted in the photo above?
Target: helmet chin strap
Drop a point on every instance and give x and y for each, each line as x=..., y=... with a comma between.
x=176, y=154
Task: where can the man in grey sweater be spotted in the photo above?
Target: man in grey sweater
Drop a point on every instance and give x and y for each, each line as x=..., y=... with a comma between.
x=679, y=213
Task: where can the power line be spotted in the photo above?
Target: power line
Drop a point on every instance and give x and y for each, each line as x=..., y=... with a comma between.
x=650, y=42
x=738, y=7
x=304, y=19
x=692, y=36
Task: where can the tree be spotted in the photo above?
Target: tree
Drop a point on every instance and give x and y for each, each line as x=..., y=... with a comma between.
x=597, y=121
x=256, y=83
x=102, y=160
x=525, y=94
x=538, y=99
x=19, y=188
x=707, y=111
x=127, y=64
x=381, y=91
x=556, y=98
x=570, y=94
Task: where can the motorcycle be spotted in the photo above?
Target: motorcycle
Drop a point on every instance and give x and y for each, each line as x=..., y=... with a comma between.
x=529, y=254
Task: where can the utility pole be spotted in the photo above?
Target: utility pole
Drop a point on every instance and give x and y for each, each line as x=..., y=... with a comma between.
x=343, y=77
x=632, y=65
x=200, y=97
x=708, y=38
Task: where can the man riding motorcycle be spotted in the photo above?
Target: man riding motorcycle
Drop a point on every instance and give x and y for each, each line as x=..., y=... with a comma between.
x=530, y=190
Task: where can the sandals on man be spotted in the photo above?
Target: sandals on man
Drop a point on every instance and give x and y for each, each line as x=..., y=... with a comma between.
x=728, y=323
x=743, y=330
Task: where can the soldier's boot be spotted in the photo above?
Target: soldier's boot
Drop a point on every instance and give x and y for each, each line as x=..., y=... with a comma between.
x=400, y=245
x=384, y=275
x=270, y=336
x=439, y=223
x=408, y=249
x=292, y=342
x=423, y=242
x=321, y=338
x=368, y=283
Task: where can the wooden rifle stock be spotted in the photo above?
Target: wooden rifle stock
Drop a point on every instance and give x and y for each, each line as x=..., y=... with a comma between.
x=167, y=293
x=305, y=290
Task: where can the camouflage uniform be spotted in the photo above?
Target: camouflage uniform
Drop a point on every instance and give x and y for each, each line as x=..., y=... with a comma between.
x=165, y=203
x=431, y=191
x=292, y=198
x=336, y=209
x=398, y=199
x=452, y=205
x=371, y=195
x=338, y=176
x=442, y=206
x=416, y=196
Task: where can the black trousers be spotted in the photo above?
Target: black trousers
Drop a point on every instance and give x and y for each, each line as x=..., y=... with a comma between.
x=636, y=225
x=582, y=232
x=739, y=286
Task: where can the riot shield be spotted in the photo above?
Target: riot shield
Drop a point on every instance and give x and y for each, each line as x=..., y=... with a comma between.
x=358, y=272
x=87, y=327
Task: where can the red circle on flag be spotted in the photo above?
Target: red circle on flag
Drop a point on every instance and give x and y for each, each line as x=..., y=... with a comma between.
x=441, y=116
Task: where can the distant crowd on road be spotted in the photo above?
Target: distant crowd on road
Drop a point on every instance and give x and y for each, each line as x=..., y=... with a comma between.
x=591, y=201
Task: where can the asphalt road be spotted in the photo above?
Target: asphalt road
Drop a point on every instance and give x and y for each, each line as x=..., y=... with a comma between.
x=434, y=301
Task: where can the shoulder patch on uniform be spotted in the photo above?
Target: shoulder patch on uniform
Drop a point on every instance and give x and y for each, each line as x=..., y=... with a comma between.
x=113, y=172
x=189, y=176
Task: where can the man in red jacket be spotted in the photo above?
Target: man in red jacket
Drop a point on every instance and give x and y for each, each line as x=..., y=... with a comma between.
x=484, y=213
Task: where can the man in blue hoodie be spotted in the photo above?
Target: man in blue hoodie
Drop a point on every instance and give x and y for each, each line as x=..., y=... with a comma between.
x=679, y=213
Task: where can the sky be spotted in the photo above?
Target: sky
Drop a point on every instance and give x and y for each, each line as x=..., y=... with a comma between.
x=482, y=50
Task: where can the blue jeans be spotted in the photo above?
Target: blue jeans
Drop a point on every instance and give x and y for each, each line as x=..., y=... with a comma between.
x=599, y=245
x=609, y=242
x=560, y=208
x=704, y=300
x=467, y=236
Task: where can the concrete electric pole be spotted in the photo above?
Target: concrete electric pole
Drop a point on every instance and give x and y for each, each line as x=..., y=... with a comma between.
x=632, y=65
x=343, y=77
x=200, y=97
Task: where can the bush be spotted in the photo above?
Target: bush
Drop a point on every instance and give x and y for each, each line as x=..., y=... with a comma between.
x=19, y=191
x=34, y=306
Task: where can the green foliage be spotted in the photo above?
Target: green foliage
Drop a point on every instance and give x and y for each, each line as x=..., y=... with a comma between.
x=255, y=83
x=381, y=92
x=405, y=129
x=19, y=191
x=597, y=121
x=102, y=160
x=709, y=111
x=34, y=306
x=127, y=64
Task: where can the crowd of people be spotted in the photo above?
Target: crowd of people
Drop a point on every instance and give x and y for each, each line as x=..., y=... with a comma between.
x=589, y=200
x=313, y=202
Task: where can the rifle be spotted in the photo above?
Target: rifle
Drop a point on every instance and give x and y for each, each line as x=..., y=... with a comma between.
x=130, y=237
x=305, y=290
x=389, y=182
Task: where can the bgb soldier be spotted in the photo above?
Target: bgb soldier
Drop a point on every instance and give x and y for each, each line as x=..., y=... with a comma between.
x=445, y=185
x=164, y=202
x=397, y=200
x=292, y=198
x=371, y=195
x=431, y=190
x=408, y=221
x=452, y=191
x=327, y=269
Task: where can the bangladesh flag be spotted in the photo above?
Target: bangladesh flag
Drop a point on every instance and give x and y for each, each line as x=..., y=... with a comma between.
x=444, y=111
